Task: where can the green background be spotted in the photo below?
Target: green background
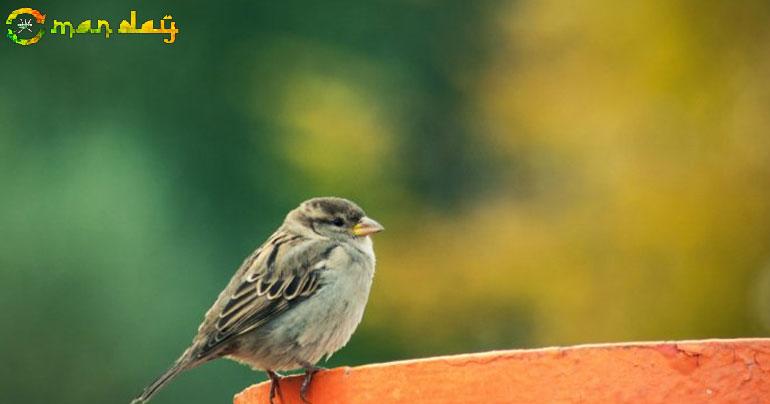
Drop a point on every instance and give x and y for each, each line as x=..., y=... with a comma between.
x=548, y=173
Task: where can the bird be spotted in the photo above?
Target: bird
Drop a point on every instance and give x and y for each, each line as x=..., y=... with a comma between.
x=296, y=299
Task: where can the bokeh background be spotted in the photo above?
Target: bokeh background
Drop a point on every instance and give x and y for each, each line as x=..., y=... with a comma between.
x=549, y=172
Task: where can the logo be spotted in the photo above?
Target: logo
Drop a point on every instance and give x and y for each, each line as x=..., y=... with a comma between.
x=20, y=26
x=26, y=26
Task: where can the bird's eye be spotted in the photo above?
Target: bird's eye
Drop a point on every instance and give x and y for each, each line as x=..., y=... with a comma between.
x=338, y=222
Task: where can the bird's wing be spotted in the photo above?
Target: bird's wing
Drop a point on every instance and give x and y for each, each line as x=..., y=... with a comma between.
x=281, y=273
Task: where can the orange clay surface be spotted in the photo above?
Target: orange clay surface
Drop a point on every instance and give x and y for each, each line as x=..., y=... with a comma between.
x=708, y=371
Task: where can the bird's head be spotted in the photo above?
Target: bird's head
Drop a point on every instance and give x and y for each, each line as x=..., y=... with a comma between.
x=336, y=218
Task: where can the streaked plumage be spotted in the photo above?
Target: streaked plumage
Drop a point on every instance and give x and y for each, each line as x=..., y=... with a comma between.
x=296, y=299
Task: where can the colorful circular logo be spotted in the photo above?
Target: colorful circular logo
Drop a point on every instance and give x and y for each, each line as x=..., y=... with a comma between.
x=23, y=24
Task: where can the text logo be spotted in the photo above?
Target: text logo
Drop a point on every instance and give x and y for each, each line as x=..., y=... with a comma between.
x=26, y=27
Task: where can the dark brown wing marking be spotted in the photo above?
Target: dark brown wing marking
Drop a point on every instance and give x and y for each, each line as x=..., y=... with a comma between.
x=264, y=293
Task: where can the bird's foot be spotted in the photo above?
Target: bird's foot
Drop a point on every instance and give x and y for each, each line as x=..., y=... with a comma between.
x=310, y=370
x=275, y=386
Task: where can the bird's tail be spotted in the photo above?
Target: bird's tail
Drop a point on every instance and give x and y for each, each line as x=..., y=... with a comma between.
x=183, y=363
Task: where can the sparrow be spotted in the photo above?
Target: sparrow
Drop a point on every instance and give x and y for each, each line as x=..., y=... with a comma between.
x=296, y=299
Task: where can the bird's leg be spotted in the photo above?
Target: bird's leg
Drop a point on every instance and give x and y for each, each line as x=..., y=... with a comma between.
x=275, y=385
x=310, y=370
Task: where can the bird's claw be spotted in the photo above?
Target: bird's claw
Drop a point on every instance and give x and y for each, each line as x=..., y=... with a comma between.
x=275, y=386
x=310, y=370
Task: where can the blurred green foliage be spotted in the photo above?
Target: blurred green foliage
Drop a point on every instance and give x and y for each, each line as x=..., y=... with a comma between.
x=549, y=173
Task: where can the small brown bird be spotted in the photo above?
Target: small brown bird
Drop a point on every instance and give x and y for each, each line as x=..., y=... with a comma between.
x=296, y=299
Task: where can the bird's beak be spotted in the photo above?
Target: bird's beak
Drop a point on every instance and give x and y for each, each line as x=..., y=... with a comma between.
x=366, y=226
